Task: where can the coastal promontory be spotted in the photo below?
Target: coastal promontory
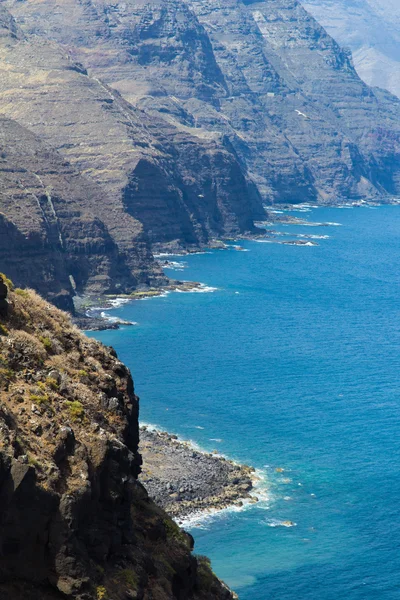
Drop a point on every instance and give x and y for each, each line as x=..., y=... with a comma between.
x=75, y=521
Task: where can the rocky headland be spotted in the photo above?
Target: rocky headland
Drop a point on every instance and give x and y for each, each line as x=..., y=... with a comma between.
x=76, y=523
x=186, y=481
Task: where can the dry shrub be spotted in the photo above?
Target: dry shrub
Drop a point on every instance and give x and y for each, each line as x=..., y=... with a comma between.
x=24, y=348
x=41, y=313
x=51, y=343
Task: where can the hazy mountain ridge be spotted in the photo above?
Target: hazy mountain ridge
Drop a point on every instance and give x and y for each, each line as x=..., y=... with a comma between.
x=371, y=29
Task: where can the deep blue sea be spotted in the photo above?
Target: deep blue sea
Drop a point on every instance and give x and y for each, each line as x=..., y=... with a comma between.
x=293, y=363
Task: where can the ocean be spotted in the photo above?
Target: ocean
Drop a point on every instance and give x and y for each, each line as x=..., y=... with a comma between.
x=292, y=365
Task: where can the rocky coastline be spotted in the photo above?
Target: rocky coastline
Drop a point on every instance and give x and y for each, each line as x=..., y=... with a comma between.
x=89, y=310
x=76, y=521
x=185, y=481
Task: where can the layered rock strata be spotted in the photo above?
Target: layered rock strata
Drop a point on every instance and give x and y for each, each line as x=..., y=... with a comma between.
x=264, y=76
x=168, y=124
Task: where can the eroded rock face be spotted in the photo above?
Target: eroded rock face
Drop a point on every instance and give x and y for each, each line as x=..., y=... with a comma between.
x=74, y=520
x=263, y=74
x=154, y=181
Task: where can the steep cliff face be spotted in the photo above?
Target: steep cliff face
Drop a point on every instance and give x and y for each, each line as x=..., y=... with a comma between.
x=75, y=522
x=264, y=75
x=166, y=123
x=50, y=238
x=150, y=174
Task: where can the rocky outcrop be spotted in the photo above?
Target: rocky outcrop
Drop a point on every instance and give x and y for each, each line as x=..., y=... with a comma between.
x=186, y=481
x=75, y=522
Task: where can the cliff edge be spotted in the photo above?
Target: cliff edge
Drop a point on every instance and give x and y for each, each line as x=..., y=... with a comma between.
x=75, y=522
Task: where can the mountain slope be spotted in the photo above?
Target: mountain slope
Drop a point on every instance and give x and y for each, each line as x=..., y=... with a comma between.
x=168, y=123
x=263, y=74
x=50, y=238
x=179, y=188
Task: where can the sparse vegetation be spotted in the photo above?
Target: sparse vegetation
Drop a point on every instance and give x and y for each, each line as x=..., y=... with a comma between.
x=33, y=461
x=205, y=572
x=39, y=399
x=6, y=375
x=7, y=281
x=101, y=592
x=21, y=292
x=26, y=348
x=52, y=384
x=76, y=410
x=46, y=343
x=129, y=578
x=173, y=531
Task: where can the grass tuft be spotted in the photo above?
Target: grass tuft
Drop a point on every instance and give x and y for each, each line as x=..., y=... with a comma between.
x=76, y=410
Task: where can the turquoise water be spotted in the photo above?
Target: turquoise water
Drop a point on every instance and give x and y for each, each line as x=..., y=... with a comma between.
x=298, y=371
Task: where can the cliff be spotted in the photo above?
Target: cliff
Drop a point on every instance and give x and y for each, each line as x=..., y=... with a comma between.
x=264, y=76
x=147, y=172
x=166, y=124
x=49, y=237
x=75, y=522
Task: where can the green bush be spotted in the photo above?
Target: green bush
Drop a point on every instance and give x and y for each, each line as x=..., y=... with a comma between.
x=76, y=410
x=7, y=281
x=6, y=375
x=52, y=384
x=46, y=341
x=173, y=531
x=39, y=400
x=129, y=578
x=22, y=293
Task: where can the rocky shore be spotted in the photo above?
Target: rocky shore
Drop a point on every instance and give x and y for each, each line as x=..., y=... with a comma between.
x=184, y=480
x=89, y=310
